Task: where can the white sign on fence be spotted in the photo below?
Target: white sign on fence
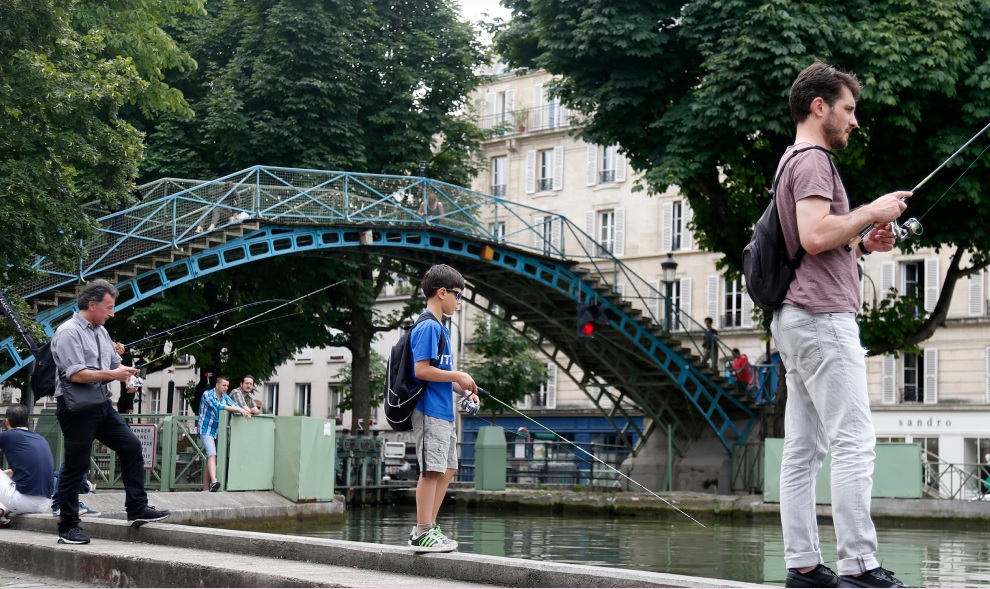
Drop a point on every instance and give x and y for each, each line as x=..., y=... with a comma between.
x=147, y=434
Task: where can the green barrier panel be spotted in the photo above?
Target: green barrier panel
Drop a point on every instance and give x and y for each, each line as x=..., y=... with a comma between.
x=251, y=456
x=305, y=449
x=897, y=472
x=489, y=459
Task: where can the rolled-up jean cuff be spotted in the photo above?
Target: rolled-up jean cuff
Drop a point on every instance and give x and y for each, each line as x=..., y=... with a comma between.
x=804, y=559
x=857, y=565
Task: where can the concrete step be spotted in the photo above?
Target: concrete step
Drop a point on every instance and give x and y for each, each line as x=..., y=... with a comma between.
x=173, y=555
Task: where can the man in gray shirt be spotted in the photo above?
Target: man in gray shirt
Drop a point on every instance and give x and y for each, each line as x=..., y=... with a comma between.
x=84, y=353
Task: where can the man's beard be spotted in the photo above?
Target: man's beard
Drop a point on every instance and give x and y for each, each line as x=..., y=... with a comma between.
x=835, y=136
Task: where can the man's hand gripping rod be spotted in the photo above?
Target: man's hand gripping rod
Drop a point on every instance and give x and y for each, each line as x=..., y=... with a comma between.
x=912, y=226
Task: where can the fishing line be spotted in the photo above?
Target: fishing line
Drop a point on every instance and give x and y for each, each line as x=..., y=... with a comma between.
x=192, y=337
x=172, y=330
x=954, y=183
x=485, y=393
x=913, y=226
x=204, y=338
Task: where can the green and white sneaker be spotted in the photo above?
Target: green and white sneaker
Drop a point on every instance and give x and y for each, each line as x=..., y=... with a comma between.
x=431, y=541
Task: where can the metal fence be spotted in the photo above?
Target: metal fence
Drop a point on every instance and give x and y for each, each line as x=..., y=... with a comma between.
x=546, y=462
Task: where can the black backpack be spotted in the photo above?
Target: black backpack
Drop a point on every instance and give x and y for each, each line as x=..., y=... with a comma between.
x=402, y=390
x=43, y=377
x=766, y=265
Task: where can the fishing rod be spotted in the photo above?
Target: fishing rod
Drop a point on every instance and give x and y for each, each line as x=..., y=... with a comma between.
x=912, y=226
x=173, y=330
x=482, y=392
x=226, y=329
x=251, y=324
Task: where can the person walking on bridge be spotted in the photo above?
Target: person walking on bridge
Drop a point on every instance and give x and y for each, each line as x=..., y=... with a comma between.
x=817, y=335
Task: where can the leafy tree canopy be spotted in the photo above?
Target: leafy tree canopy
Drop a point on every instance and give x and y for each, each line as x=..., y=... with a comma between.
x=66, y=73
x=503, y=362
x=696, y=94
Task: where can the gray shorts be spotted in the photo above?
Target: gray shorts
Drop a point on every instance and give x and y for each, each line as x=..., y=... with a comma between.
x=436, y=443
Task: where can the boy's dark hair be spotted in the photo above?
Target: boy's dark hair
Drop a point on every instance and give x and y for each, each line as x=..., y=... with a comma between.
x=441, y=276
x=17, y=415
x=95, y=292
x=820, y=80
x=709, y=320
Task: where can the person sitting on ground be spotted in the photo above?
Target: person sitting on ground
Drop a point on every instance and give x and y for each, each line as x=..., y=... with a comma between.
x=211, y=404
x=85, y=487
x=242, y=395
x=27, y=486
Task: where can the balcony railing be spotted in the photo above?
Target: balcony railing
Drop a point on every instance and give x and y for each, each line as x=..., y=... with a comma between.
x=606, y=177
x=544, y=184
x=542, y=118
x=498, y=190
x=911, y=394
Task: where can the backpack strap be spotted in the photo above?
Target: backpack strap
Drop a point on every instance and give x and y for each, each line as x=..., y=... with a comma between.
x=428, y=316
x=794, y=262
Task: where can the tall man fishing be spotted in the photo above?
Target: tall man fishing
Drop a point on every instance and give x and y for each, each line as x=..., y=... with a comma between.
x=818, y=338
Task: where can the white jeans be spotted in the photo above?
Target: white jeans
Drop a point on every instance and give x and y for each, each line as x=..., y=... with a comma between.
x=12, y=502
x=827, y=405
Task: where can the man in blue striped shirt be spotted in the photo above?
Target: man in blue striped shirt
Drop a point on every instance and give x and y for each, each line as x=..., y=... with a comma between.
x=213, y=402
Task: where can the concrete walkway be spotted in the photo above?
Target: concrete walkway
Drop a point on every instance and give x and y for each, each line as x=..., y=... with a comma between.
x=171, y=555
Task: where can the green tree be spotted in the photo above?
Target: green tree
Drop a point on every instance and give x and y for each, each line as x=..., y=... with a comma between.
x=502, y=362
x=68, y=70
x=696, y=94
x=368, y=86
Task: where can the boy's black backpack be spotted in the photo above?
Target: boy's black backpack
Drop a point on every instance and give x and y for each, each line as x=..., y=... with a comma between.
x=766, y=265
x=402, y=391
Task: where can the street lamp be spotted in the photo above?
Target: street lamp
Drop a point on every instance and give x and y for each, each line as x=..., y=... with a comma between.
x=669, y=267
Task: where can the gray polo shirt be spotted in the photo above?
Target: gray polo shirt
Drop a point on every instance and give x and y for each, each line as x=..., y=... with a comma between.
x=79, y=345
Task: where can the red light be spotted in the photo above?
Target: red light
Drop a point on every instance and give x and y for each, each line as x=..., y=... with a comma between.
x=588, y=328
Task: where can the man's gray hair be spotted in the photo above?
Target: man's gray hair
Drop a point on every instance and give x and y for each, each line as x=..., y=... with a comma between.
x=95, y=292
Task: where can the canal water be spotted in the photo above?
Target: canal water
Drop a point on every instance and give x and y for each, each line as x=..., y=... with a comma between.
x=740, y=551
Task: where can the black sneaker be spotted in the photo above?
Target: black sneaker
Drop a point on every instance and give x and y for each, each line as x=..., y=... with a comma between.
x=820, y=576
x=214, y=486
x=146, y=515
x=878, y=577
x=73, y=536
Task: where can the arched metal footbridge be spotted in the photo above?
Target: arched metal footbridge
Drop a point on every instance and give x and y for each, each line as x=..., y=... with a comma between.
x=533, y=264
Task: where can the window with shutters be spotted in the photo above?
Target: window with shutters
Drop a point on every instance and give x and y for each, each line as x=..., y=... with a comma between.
x=547, y=397
x=303, y=391
x=155, y=405
x=499, y=168
x=605, y=165
x=336, y=398
x=977, y=299
x=913, y=284
x=606, y=231
x=675, y=234
x=733, y=299
x=546, y=231
x=913, y=390
x=498, y=231
x=680, y=298
x=498, y=110
x=544, y=170
x=271, y=397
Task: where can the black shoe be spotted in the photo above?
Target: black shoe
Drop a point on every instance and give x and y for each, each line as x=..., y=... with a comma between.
x=73, y=536
x=878, y=577
x=214, y=486
x=146, y=515
x=820, y=576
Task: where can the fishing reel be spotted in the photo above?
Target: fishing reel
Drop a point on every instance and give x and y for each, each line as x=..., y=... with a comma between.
x=468, y=406
x=135, y=382
x=909, y=229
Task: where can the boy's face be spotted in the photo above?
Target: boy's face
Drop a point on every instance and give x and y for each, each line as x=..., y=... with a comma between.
x=450, y=300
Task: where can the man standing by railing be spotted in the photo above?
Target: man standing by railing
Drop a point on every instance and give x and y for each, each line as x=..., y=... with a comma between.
x=84, y=353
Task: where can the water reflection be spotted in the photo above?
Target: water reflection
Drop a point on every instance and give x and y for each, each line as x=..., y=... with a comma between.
x=741, y=551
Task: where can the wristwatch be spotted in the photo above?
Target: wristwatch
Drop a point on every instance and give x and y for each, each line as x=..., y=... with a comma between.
x=862, y=248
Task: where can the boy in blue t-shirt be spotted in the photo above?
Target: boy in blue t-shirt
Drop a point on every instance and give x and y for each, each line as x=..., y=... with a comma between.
x=433, y=418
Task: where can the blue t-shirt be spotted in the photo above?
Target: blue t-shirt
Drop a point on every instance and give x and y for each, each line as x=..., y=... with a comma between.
x=30, y=457
x=437, y=400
